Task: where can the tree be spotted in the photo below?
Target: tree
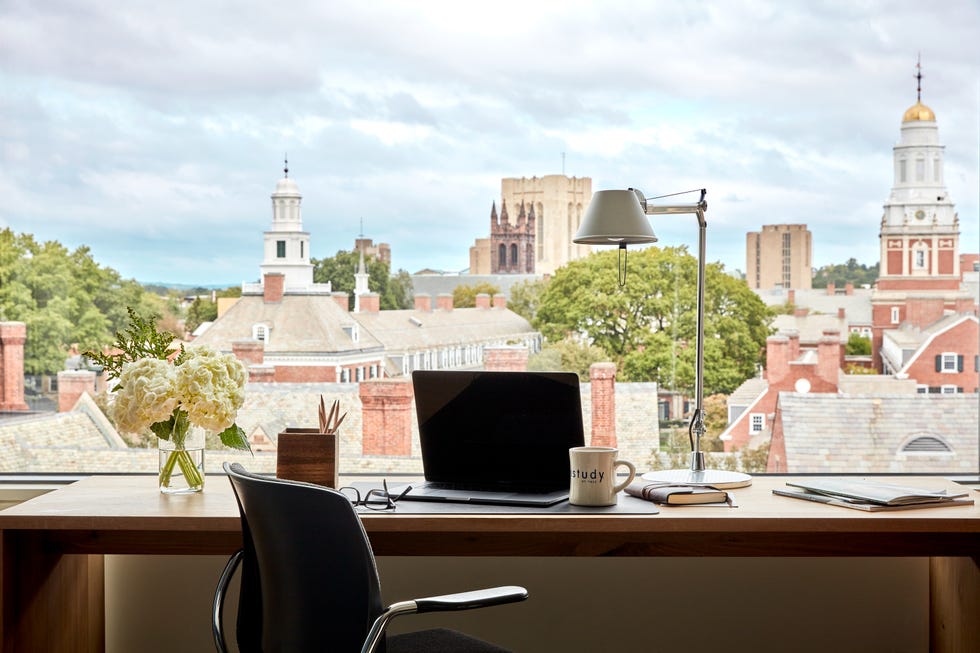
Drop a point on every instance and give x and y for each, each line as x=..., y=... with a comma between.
x=339, y=270
x=199, y=312
x=857, y=345
x=569, y=355
x=65, y=298
x=648, y=325
x=840, y=274
x=464, y=296
x=525, y=297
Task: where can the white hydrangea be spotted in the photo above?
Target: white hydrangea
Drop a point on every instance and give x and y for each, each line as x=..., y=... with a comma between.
x=211, y=388
x=147, y=395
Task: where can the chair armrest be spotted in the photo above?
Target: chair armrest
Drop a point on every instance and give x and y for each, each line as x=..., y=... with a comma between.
x=218, y=605
x=461, y=601
x=474, y=599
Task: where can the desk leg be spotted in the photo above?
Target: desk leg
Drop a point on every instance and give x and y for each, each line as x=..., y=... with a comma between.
x=49, y=601
x=954, y=603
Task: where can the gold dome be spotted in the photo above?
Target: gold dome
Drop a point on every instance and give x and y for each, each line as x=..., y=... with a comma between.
x=918, y=111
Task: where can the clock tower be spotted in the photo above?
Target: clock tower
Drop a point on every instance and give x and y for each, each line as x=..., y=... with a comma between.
x=919, y=278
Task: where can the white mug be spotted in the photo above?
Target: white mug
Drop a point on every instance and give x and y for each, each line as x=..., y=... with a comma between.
x=593, y=476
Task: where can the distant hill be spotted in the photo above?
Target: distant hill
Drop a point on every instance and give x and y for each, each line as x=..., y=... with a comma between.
x=162, y=287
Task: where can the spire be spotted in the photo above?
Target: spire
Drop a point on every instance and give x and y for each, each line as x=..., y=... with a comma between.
x=521, y=215
x=530, y=214
x=493, y=215
x=503, y=212
x=918, y=79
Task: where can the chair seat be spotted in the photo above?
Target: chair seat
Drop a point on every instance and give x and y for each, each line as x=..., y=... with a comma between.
x=439, y=640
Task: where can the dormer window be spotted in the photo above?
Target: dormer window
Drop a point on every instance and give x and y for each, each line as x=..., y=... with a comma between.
x=352, y=332
x=260, y=332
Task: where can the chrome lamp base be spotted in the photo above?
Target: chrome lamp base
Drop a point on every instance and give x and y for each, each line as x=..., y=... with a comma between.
x=721, y=479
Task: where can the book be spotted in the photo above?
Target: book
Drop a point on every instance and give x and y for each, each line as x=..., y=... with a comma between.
x=676, y=494
x=856, y=504
x=865, y=491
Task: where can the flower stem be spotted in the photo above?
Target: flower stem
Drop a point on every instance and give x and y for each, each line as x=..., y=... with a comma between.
x=182, y=459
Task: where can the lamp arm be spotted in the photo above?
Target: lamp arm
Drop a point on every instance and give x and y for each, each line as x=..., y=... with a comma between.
x=697, y=419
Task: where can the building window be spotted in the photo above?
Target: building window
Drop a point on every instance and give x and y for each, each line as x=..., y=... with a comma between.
x=280, y=249
x=757, y=422
x=502, y=256
x=920, y=259
x=949, y=363
x=301, y=249
x=948, y=389
x=513, y=254
x=345, y=375
x=922, y=389
x=894, y=314
x=260, y=332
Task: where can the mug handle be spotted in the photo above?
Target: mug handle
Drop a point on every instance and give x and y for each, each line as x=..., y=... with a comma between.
x=629, y=480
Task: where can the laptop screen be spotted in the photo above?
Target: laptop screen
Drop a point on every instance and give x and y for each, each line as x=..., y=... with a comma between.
x=498, y=430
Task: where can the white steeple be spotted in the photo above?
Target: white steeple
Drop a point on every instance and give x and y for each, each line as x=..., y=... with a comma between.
x=287, y=246
x=919, y=227
x=360, y=282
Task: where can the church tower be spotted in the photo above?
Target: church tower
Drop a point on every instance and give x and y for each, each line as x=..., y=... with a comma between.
x=919, y=228
x=287, y=246
x=919, y=278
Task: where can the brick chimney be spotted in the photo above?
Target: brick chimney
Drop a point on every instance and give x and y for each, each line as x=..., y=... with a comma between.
x=505, y=358
x=777, y=358
x=369, y=302
x=12, y=338
x=849, y=288
x=791, y=296
x=841, y=313
x=444, y=301
x=250, y=352
x=71, y=385
x=500, y=300
x=831, y=288
x=603, y=381
x=829, y=356
x=793, y=349
x=386, y=417
x=801, y=312
x=342, y=299
x=272, y=286
x=482, y=300
x=423, y=303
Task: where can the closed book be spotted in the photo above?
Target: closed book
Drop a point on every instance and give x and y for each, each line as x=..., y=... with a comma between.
x=676, y=494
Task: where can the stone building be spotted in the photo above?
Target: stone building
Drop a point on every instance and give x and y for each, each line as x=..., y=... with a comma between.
x=779, y=256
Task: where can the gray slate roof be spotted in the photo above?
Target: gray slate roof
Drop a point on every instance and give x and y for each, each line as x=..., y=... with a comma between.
x=300, y=324
x=857, y=307
x=411, y=329
x=830, y=434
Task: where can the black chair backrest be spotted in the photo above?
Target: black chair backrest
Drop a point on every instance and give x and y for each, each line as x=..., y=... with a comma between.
x=309, y=580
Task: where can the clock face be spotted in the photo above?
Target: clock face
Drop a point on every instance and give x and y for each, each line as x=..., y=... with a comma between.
x=919, y=215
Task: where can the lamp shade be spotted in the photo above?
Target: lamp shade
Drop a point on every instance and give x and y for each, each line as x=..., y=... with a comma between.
x=615, y=217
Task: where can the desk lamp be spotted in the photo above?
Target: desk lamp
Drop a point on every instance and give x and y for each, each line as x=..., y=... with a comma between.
x=618, y=217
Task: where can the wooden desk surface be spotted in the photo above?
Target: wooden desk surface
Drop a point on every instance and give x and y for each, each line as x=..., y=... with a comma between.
x=127, y=514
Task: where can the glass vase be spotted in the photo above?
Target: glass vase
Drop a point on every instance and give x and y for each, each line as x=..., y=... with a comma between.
x=182, y=462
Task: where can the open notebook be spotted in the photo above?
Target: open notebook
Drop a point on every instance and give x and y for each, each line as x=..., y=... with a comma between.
x=496, y=437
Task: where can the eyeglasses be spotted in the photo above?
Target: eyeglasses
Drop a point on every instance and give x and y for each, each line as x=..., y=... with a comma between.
x=375, y=499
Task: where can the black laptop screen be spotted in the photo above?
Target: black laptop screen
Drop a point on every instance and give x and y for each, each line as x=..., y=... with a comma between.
x=498, y=430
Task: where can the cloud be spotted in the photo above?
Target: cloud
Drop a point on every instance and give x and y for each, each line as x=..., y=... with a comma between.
x=137, y=126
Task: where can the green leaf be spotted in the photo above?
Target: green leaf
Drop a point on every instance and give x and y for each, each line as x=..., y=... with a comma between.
x=235, y=437
x=163, y=429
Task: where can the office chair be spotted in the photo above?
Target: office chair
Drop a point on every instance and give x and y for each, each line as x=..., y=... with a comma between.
x=309, y=580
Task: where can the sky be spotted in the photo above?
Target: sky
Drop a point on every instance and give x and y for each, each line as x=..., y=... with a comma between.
x=154, y=133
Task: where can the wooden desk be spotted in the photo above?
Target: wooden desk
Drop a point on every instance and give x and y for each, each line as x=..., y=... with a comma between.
x=52, y=547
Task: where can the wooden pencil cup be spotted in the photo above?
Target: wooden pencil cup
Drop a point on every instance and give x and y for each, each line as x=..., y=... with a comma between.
x=306, y=454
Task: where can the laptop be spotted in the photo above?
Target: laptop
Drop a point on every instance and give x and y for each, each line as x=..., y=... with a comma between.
x=496, y=437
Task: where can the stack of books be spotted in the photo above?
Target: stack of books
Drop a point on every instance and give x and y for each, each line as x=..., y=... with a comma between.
x=871, y=496
x=668, y=494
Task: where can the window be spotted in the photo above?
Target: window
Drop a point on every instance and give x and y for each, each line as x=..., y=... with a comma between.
x=280, y=249
x=757, y=422
x=301, y=243
x=513, y=255
x=894, y=314
x=921, y=389
x=920, y=259
x=949, y=389
x=502, y=256
x=949, y=363
x=260, y=332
